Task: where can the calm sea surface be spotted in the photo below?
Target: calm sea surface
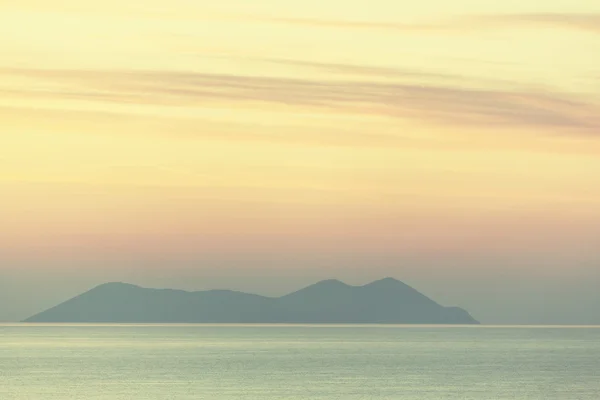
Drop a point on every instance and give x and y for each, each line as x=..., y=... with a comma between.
x=298, y=362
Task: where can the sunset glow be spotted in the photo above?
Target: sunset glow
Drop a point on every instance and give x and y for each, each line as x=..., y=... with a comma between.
x=169, y=128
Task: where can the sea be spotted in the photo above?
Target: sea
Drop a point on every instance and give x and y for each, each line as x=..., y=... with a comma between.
x=264, y=362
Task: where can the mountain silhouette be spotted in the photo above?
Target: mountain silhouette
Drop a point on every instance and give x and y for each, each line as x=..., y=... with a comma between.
x=387, y=301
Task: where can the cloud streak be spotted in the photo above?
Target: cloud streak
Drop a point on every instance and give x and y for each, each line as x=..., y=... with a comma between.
x=363, y=70
x=461, y=24
x=585, y=22
x=441, y=104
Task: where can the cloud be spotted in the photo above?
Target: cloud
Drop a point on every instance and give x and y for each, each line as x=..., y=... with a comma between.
x=370, y=71
x=328, y=23
x=391, y=73
x=441, y=104
x=586, y=22
x=465, y=23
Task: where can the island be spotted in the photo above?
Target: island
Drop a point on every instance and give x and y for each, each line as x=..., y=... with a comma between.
x=386, y=301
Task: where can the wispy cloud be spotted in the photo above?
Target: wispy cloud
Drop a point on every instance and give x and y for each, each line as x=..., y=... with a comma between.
x=396, y=74
x=585, y=22
x=369, y=71
x=442, y=104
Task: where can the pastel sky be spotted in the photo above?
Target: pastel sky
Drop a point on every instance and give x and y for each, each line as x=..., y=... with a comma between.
x=263, y=145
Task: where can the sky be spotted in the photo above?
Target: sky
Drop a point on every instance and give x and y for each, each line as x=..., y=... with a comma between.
x=264, y=145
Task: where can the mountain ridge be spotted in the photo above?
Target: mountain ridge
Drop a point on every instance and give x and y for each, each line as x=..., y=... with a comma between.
x=384, y=301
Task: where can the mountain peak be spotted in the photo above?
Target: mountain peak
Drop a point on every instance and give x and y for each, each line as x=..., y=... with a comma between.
x=386, y=282
x=389, y=279
x=116, y=285
x=332, y=282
